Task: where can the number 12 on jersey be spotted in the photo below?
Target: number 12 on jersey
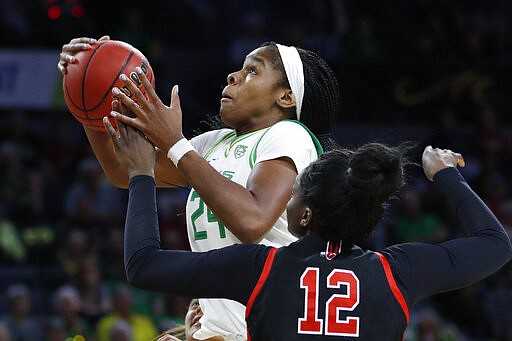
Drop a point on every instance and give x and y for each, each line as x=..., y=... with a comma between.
x=310, y=323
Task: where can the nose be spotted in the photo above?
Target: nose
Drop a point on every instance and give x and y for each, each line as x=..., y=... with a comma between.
x=232, y=78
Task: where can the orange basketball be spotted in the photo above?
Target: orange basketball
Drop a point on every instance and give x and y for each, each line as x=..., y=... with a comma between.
x=89, y=80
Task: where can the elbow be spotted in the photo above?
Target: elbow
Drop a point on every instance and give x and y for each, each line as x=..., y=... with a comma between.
x=137, y=270
x=133, y=275
x=252, y=233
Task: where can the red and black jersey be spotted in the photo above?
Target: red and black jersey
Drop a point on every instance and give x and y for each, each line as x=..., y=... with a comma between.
x=315, y=289
x=303, y=294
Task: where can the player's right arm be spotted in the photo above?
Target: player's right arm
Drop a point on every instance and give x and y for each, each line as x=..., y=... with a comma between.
x=166, y=174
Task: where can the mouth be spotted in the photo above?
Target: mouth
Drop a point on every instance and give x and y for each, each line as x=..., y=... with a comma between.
x=226, y=96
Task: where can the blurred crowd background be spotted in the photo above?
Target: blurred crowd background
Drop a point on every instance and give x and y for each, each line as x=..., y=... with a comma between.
x=432, y=72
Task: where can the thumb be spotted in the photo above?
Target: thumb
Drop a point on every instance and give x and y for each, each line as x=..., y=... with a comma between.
x=175, y=98
x=104, y=38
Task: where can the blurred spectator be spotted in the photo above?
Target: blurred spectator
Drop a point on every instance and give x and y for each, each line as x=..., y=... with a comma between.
x=12, y=248
x=91, y=198
x=497, y=301
x=55, y=329
x=22, y=325
x=111, y=254
x=171, y=215
x=67, y=307
x=4, y=332
x=74, y=250
x=121, y=331
x=493, y=143
x=142, y=326
x=95, y=297
x=414, y=224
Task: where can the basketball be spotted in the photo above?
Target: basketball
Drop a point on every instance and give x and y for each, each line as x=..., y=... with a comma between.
x=88, y=83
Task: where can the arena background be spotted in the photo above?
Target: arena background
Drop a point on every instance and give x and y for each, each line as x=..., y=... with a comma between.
x=424, y=71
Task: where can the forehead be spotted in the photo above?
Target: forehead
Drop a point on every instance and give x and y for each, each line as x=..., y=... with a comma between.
x=263, y=55
x=296, y=184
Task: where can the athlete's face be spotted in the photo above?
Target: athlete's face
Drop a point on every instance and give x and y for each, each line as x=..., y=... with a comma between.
x=295, y=210
x=252, y=92
x=192, y=317
x=192, y=323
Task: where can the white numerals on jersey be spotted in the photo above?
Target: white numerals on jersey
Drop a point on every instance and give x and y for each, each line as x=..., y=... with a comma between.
x=310, y=323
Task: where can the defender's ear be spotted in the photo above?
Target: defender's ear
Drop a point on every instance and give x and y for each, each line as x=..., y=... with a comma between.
x=306, y=217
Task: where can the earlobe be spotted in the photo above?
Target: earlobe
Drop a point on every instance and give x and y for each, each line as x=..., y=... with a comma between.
x=287, y=99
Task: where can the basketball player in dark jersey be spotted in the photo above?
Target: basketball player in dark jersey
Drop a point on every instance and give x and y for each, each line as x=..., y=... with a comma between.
x=324, y=286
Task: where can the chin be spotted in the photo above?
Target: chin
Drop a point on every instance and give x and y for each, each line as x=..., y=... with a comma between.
x=224, y=120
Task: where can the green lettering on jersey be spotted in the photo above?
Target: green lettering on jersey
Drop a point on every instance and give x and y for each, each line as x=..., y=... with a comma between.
x=228, y=174
x=200, y=235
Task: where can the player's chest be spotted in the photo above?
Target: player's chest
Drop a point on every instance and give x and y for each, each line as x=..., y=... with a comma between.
x=235, y=158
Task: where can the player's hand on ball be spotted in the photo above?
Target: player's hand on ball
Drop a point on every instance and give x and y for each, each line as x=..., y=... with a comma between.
x=70, y=49
x=435, y=160
x=162, y=124
x=133, y=151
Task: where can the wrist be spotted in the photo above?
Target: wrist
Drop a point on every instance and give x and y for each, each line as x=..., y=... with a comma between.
x=136, y=172
x=178, y=150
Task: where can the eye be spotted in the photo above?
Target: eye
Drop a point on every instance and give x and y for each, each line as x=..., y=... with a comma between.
x=251, y=70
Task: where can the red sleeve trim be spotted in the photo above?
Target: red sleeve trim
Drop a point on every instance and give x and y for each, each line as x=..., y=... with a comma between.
x=394, y=287
x=263, y=277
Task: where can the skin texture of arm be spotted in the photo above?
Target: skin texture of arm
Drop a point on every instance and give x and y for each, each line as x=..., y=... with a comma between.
x=253, y=210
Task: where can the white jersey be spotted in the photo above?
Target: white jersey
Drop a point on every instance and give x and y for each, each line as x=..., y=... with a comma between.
x=234, y=157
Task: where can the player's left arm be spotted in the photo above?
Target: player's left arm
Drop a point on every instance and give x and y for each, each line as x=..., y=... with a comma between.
x=229, y=272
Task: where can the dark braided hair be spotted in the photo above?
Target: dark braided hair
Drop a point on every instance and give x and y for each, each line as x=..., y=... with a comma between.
x=347, y=190
x=321, y=103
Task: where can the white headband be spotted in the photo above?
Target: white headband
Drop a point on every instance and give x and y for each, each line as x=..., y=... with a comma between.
x=294, y=72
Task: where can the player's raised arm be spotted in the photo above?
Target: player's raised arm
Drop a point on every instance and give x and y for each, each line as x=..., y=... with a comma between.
x=166, y=174
x=427, y=269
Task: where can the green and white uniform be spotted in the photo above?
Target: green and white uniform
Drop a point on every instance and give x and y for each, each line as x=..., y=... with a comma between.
x=234, y=157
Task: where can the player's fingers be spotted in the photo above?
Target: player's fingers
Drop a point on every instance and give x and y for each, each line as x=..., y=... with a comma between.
x=61, y=68
x=105, y=37
x=66, y=58
x=150, y=91
x=131, y=121
x=460, y=159
x=128, y=102
x=175, y=98
x=123, y=131
x=82, y=40
x=114, y=136
x=134, y=91
x=116, y=105
x=75, y=47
